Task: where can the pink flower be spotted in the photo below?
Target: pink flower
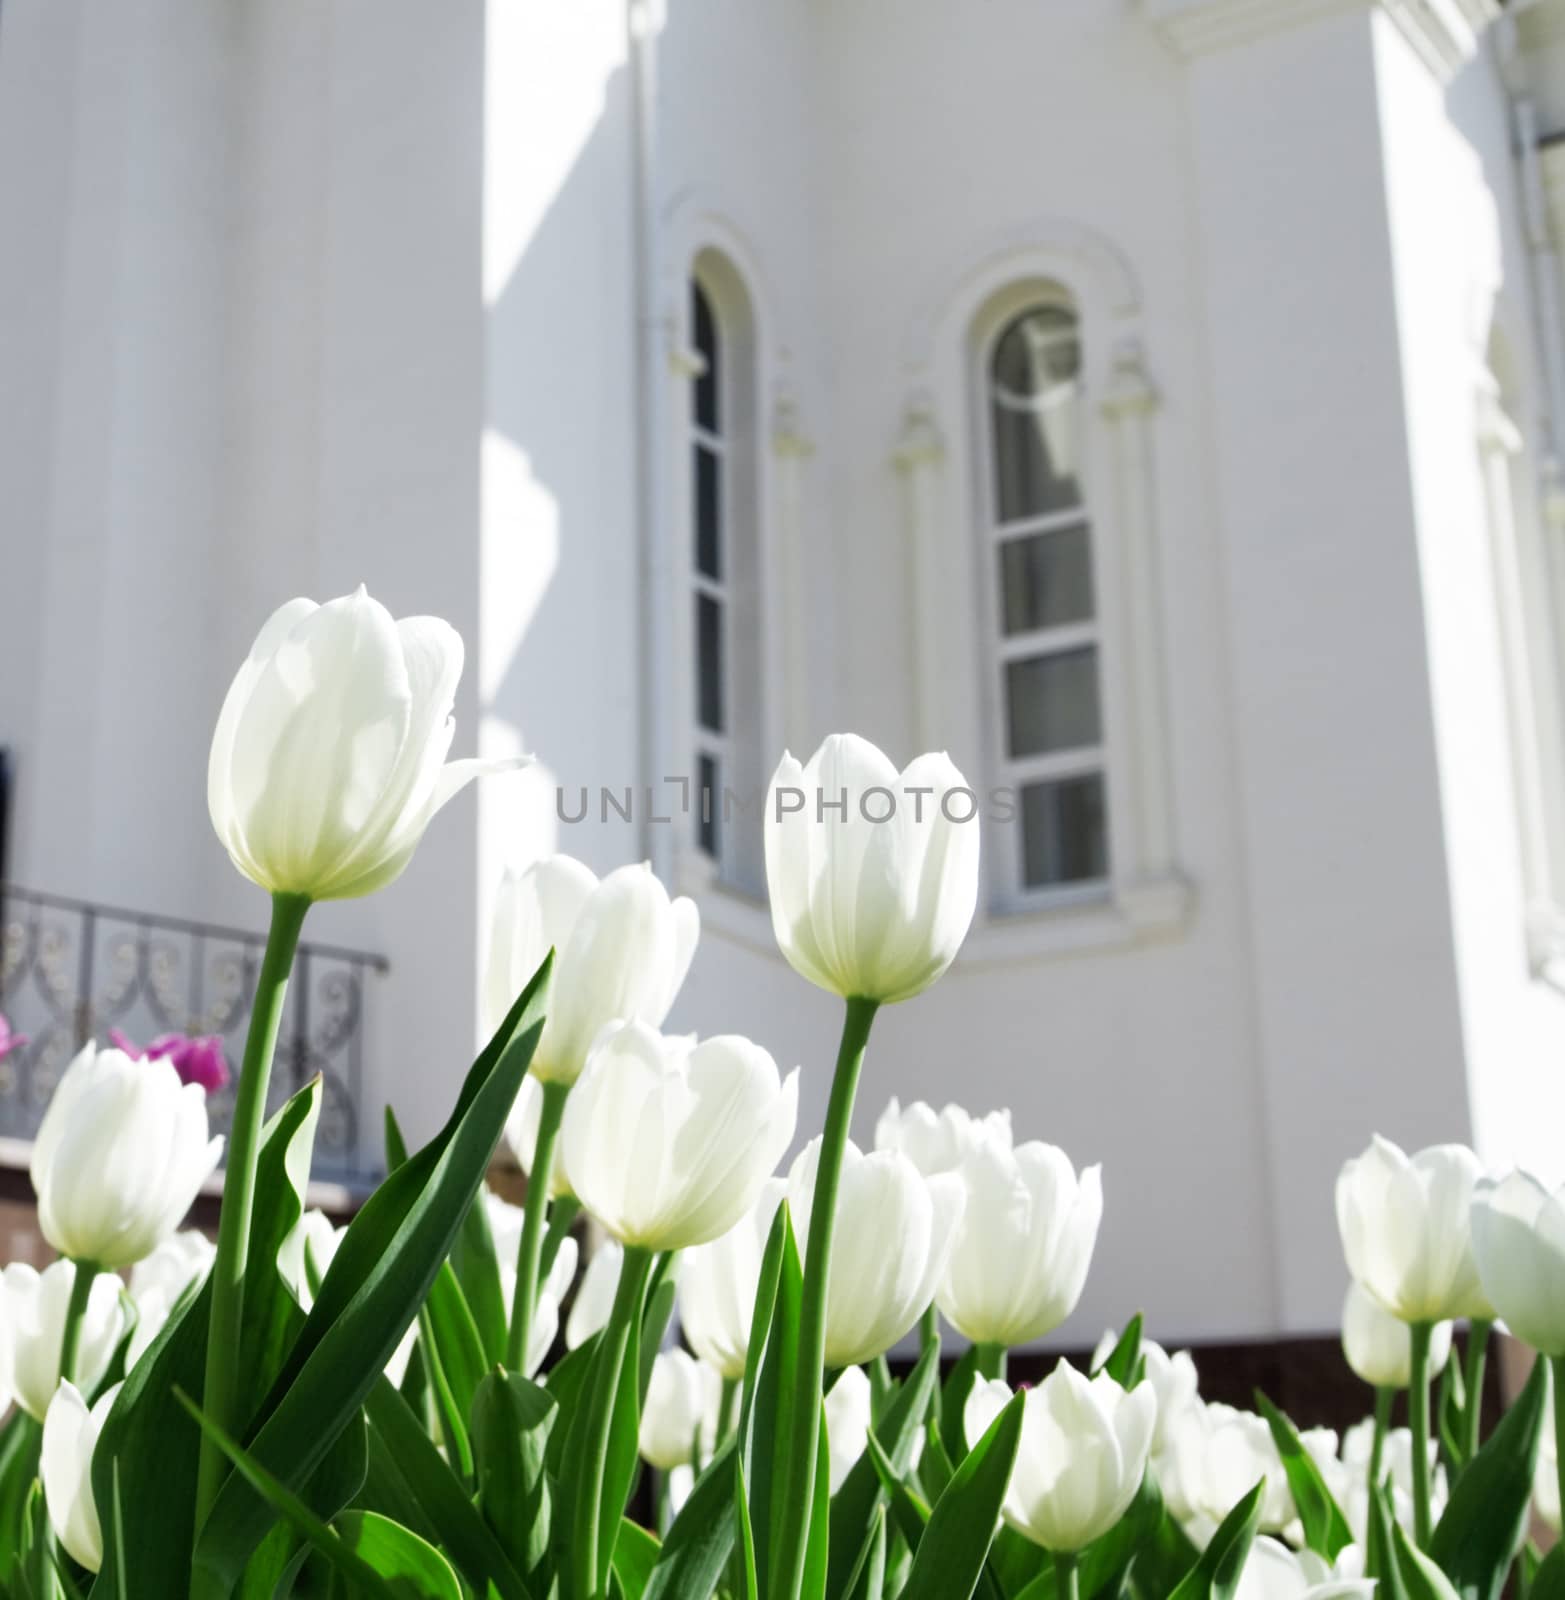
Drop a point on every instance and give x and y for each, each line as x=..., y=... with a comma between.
x=196, y=1060
x=9, y=1041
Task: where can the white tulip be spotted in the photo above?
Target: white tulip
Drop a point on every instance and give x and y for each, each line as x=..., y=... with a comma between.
x=1379, y=1346
x=717, y=1286
x=70, y=1435
x=1546, y=1478
x=1274, y=1572
x=1174, y=1381
x=317, y=1242
x=1024, y=1244
x=847, y=1424
x=1220, y=1454
x=892, y=1241
x=505, y=1228
x=873, y=876
x=622, y=949
x=668, y=1142
x=521, y=1135
x=1519, y=1244
x=937, y=1141
x=119, y=1157
x=1406, y=1228
x=35, y=1305
x=594, y=1294
x=158, y=1283
x=329, y=757
x=680, y=1410
x=1082, y=1456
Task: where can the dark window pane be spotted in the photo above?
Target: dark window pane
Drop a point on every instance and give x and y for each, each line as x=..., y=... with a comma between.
x=1052, y=702
x=1064, y=831
x=1035, y=404
x=708, y=512
x=708, y=802
x=703, y=326
x=709, y=663
x=1046, y=579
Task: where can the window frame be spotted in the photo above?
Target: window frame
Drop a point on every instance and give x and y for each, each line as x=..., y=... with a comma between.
x=1008, y=893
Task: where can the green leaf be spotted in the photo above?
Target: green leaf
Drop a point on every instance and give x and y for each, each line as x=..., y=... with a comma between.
x=654, y=1324
x=909, y=1512
x=1124, y=1361
x=868, y=1579
x=477, y=1269
x=752, y=1586
x=20, y=1440
x=456, y=1340
x=408, y=1565
x=635, y=1555
x=1548, y=1581
x=147, y=1431
x=1216, y=1575
x=1450, y=1411
x=567, y=1382
x=771, y=1413
x=812, y=1582
x=1326, y=1530
x=698, y=1545
x=951, y=1554
x=512, y=1419
x=402, y=1447
x=448, y=1414
x=853, y=1506
x=1107, y=1559
x=953, y=1402
x=1421, y=1578
x=1485, y=1519
x=382, y=1271
x=1164, y=1560
x=1380, y=1551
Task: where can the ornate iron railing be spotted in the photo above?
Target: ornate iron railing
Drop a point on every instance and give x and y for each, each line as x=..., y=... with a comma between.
x=71, y=970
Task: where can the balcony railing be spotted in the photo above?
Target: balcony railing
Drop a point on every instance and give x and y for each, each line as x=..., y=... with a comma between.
x=71, y=970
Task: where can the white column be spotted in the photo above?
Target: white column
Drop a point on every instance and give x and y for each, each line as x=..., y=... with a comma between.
x=918, y=458
x=791, y=452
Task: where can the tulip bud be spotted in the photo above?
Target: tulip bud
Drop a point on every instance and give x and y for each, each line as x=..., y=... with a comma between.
x=622, y=949
x=70, y=1435
x=1406, y=1228
x=1379, y=1348
x=873, y=876
x=680, y=1410
x=717, y=1286
x=1024, y=1244
x=937, y=1141
x=1174, y=1381
x=892, y=1241
x=668, y=1142
x=120, y=1154
x=1519, y=1244
x=329, y=757
x=35, y=1305
x=1082, y=1455
x=158, y=1283
x=594, y=1294
x=1220, y=1454
x=847, y=1424
x=1274, y=1572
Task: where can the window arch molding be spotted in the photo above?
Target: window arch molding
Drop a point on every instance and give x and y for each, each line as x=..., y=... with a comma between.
x=702, y=243
x=943, y=456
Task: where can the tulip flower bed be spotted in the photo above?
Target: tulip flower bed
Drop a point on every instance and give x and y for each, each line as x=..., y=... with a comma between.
x=302, y=1410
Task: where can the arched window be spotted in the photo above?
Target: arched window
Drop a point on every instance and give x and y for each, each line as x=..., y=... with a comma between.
x=1038, y=576
x=724, y=574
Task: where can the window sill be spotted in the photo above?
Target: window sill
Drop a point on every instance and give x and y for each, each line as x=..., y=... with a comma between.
x=726, y=910
x=1122, y=917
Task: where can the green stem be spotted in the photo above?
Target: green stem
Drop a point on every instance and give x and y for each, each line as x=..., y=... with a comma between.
x=76, y=1309
x=992, y=1361
x=1065, y=1585
x=529, y=1251
x=803, y=1440
x=725, y=1411
x=562, y=1218
x=602, y=1389
x=928, y=1327
x=1418, y=1418
x=220, y=1397
x=1477, y=1354
x=1557, y=1372
x=1385, y=1398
